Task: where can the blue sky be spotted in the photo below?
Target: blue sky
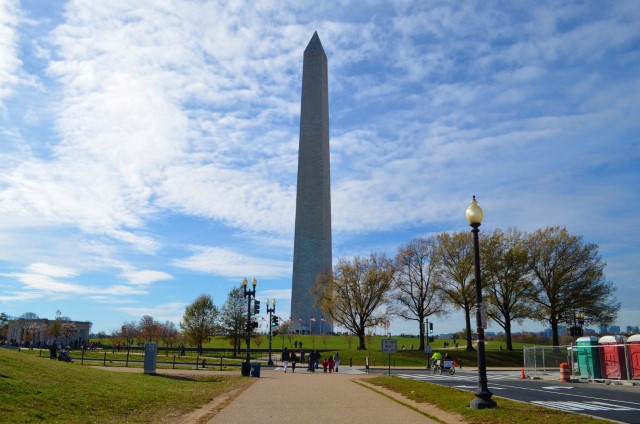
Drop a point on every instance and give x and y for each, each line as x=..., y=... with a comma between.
x=148, y=149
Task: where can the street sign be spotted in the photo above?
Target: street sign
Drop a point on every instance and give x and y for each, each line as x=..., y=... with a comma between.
x=389, y=346
x=427, y=349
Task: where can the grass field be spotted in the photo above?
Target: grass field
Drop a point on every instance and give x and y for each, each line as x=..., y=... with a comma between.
x=410, y=356
x=34, y=389
x=457, y=401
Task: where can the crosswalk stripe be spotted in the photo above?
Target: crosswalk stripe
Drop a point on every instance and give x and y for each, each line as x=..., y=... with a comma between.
x=582, y=406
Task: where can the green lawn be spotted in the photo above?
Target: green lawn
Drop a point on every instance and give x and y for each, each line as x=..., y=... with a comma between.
x=34, y=389
x=410, y=356
x=457, y=401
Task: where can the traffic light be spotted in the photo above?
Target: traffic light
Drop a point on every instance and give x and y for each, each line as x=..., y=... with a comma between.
x=430, y=328
x=256, y=307
x=274, y=321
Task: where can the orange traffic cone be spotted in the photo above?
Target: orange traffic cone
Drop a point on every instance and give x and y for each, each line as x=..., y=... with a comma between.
x=522, y=376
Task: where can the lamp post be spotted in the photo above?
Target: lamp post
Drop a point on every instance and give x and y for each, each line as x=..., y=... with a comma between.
x=249, y=294
x=580, y=318
x=270, y=311
x=482, y=398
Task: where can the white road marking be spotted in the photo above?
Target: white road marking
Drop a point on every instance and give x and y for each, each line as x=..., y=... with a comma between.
x=557, y=388
x=583, y=406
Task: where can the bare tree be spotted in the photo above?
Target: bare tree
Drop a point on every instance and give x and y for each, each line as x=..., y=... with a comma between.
x=129, y=331
x=507, y=276
x=233, y=318
x=456, y=268
x=68, y=330
x=417, y=287
x=356, y=293
x=569, y=277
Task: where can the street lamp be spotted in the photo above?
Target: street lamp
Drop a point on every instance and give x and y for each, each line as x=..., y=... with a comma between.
x=482, y=398
x=249, y=294
x=270, y=311
x=580, y=318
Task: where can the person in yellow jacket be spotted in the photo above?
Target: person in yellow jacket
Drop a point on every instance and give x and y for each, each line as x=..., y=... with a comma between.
x=435, y=357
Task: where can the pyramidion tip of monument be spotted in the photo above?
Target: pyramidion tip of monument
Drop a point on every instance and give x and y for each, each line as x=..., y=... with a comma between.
x=314, y=43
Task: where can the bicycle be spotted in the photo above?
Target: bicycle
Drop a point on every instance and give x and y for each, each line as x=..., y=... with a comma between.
x=444, y=366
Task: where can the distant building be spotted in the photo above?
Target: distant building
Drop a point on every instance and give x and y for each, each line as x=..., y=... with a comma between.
x=38, y=332
x=635, y=329
x=614, y=329
x=604, y=328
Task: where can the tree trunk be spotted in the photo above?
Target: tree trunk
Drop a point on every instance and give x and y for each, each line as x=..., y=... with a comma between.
x=361, y=344
x=507, y=331
x=467, y=319
x=554, y=331
x=420, y=323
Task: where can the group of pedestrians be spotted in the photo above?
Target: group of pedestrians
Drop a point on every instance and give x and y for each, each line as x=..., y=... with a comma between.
x=329, y=363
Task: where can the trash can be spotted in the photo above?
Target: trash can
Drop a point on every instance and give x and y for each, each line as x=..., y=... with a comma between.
x=255, y=369
x=588, y=357
x=612, y=358
x=633, y=345
x=245, y=369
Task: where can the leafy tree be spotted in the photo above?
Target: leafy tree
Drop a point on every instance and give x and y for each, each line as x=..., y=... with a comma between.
x=199, y=321
x=149, y=328
x=417, y=290
x=355, y=293
x=168, y=333
x=30, y=315
x=233, y=318
x=569, y=277
x=4, y=325
x=457, y=270
x=55, y=329
x=507, y=277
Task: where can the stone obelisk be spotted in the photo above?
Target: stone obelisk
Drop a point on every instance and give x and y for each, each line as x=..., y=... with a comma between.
x=312, y=243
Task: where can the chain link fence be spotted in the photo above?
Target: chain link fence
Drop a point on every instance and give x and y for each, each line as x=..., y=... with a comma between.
x=604, y=362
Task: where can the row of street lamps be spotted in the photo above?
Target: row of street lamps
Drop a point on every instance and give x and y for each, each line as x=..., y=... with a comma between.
x=483, y=396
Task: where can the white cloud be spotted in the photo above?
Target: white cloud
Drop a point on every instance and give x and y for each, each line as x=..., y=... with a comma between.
x=146, y=277
x=226, y=262
x=9, y=62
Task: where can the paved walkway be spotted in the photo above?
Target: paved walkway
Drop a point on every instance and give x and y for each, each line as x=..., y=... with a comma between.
x=302, y=397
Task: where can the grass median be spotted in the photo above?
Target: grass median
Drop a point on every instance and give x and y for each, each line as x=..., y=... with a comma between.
x=34, y=389
x=457, y=402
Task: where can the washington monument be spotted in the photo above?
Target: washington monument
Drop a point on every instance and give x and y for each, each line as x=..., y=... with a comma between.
x=312, y=243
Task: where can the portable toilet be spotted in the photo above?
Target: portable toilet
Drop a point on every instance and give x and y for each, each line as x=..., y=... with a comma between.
x=612, y=358
x=633, y=344
x=588, y=357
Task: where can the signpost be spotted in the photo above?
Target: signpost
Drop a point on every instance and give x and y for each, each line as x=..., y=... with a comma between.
x=389, y=346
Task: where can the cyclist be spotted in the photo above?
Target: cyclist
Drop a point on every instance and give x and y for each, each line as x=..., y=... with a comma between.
x=437, y=356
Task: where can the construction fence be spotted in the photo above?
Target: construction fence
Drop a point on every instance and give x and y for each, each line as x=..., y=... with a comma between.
x=586, y=360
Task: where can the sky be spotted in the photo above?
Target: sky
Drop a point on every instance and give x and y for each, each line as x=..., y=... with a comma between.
x=148, y=148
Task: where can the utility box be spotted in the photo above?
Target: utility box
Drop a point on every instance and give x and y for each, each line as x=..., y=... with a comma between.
x=255, y=369
x=633, y=345
x=612, y=357
x=588, y=357
x=150, y=357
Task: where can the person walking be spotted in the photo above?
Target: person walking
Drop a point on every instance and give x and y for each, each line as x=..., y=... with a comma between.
x=285, y=358
x=293, y=358
x=336, y=359
x=332, y=364
x=312, y=361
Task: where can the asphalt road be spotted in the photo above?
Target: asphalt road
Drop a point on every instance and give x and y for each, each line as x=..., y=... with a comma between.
x=618, y=403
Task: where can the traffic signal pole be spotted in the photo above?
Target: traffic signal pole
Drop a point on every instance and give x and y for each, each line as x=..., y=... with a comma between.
x=270, y=310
